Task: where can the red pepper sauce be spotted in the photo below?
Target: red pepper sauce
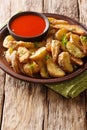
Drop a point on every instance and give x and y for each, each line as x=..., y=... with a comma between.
x=28, y=25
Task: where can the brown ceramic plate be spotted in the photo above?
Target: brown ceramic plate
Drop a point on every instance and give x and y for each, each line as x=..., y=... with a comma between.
x=5, y=66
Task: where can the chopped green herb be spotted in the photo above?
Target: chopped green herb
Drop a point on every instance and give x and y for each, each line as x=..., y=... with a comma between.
x=84, y=38
x=47, y=57
x=31, y=65
x=64, y=39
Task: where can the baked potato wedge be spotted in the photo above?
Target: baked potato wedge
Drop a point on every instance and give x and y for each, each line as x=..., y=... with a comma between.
x=31, y=68
x=55, y=49
x=28, y=45
x=60, y=33
x=64, y=62
x=75, y=39
x=74, y=50
x=39, y=54
x=48, y=43
x=56, y=21
x=15, y=62
x=53, y=69
x=44, y=72
x=72, y=28
x=8, y=55
x=23, y=54
x=76, y=61
x=9, y=41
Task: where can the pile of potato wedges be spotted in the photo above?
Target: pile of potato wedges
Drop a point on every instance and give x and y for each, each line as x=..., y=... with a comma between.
x=61, y=52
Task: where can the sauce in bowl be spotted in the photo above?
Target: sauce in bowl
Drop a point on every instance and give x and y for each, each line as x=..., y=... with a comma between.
x=28, y=25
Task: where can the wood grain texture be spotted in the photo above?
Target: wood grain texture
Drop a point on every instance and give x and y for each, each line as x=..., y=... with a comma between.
x=83, y=11
x=2, y=92
x=64, y=7
x=24, y=105
x=31, y=106
x=2, y=74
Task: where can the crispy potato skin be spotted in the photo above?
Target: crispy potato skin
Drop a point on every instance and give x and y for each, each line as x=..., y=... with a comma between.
x=55, y=21
x=31, y=68
x=64, y=62
x=55, y=49
x=75, y=51
x=75, y=39
x=48, y=44
x=72, y=28
x=9, y=41
x=15, y=62
x=60, y=33
x=23, y=54
x=28, y=45
x=44, y=72
x=54, y=70
x=76, y=61
x=39, y=54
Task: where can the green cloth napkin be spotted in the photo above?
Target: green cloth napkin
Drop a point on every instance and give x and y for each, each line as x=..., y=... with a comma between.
x=71, y=88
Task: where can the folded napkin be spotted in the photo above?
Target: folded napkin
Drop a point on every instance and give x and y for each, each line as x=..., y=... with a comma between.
x=71, y=88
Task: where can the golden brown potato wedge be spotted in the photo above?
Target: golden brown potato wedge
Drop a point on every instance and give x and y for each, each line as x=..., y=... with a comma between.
x=28, y=45
x=76, y=61
x=75, y=39
x=60, y=33
x=73, y=50
x=64, y=62
x=31, y=68
x=23, y=54
x=8, y=55
x=15, y=62
x=48, y=43
x=73, y=28
x=27, y=69
x=39, y=54
x=9, y=41
x=44, y=72
x=53, y=69
x=55, y=49
x=56, y=21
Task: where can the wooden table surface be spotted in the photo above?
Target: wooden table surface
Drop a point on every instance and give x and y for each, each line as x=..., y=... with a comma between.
x=29, y=106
